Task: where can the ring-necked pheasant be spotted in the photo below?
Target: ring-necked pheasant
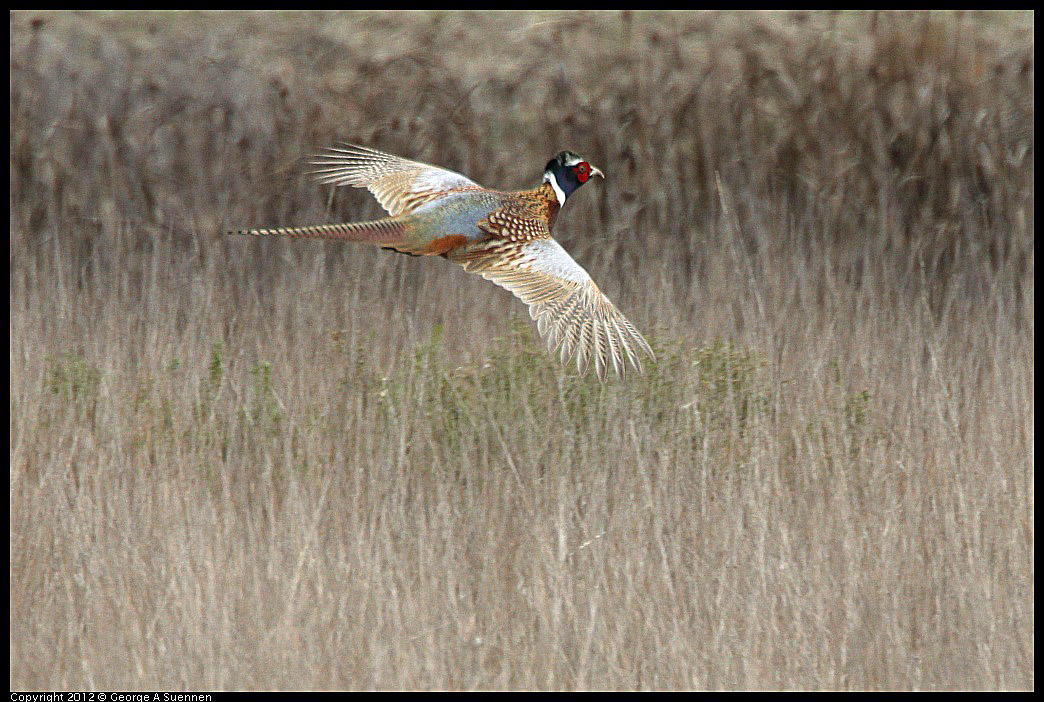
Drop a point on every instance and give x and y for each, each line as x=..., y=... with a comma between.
x=503, y=236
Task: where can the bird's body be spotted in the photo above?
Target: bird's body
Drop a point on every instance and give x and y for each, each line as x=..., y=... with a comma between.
x=503, y=236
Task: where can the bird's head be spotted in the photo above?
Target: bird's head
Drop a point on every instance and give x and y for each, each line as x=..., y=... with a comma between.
x=566, y=172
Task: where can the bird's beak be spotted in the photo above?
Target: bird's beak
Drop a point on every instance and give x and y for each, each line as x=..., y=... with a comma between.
x=595, y=171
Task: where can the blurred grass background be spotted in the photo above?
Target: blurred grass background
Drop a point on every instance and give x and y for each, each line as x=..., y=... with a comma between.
x=282, y=464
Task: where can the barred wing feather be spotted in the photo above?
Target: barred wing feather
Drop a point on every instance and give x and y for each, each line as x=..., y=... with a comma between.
x=571, y=312
x=399, y=184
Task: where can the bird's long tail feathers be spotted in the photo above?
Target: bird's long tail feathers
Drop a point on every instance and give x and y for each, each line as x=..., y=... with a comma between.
x=383, y=232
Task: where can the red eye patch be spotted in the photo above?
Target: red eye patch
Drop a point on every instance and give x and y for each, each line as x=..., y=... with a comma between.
x=583, y=172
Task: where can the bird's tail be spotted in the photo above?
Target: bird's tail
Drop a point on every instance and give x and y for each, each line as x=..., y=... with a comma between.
x=383, y=232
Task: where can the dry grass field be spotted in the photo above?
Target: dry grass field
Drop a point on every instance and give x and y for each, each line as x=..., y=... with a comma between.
x=253, y=464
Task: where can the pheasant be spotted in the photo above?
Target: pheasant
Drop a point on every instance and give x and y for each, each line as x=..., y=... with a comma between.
x=505, y=237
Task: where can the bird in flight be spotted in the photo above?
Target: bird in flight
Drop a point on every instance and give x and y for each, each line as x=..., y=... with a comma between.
x=503, y=236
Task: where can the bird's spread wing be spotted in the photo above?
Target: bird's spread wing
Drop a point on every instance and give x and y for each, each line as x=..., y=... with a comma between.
x=571, y=312
x=400, y=185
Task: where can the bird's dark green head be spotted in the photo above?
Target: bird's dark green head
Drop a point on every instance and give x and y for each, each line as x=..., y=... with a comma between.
x=566, y=172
